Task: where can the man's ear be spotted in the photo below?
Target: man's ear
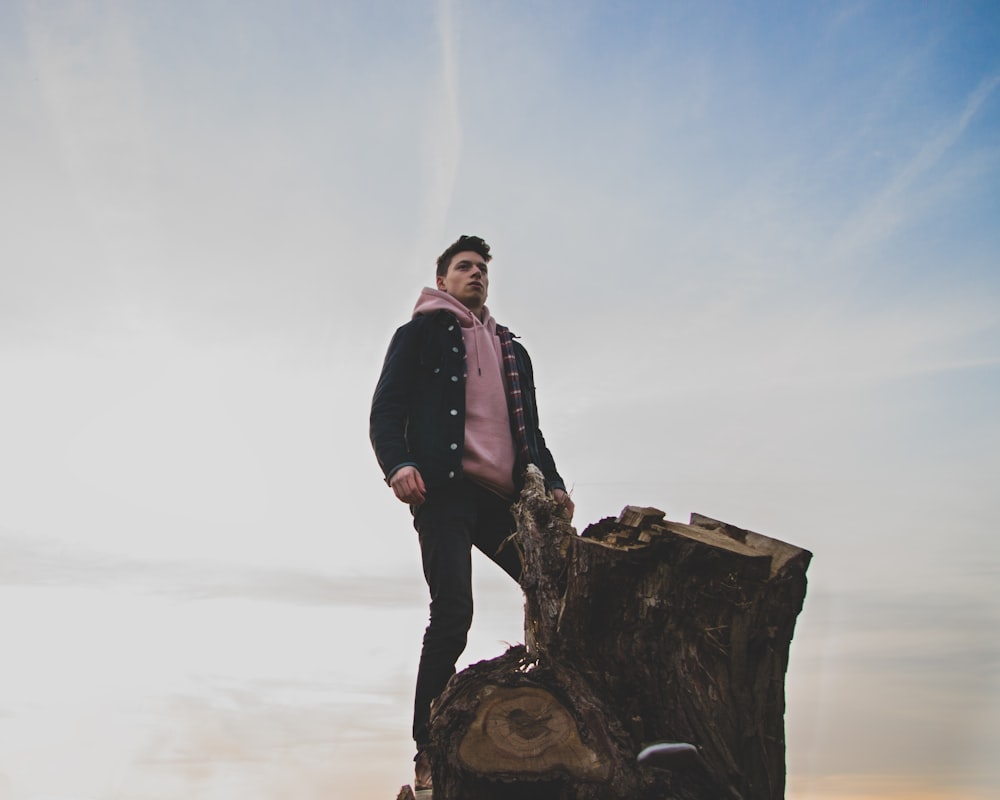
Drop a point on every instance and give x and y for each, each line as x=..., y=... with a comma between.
x=440, y=282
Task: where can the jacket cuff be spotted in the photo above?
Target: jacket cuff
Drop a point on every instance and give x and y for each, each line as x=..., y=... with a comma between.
x=397, y=468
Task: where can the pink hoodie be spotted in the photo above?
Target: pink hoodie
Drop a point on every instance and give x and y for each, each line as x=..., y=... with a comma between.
x=488, y=457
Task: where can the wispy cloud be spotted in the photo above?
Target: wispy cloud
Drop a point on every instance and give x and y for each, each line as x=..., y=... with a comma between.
x=900, y=196
x=442, y=136
x=89, y=76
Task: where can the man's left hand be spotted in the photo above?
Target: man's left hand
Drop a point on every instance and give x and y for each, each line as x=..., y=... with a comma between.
x=563, y=500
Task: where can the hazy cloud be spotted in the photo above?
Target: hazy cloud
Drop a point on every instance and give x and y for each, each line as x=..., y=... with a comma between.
x=25, y=562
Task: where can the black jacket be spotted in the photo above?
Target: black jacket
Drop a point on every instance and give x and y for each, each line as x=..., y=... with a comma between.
x=418, y=411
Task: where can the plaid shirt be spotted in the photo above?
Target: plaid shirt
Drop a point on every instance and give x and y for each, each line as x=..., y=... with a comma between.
x=515, y=398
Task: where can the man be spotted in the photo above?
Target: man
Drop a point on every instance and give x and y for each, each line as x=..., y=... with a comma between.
x=454, y=423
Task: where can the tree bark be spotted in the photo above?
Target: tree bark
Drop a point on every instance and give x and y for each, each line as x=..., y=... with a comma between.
x=638, y=630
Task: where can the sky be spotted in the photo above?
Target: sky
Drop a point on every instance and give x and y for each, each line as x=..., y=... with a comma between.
x=752, y=249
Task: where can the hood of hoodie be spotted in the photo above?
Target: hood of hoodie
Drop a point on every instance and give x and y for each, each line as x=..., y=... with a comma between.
x=475, y=333
x=431, y=300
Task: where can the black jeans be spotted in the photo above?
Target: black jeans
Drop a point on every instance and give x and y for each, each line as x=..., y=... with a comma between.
x=450, y=521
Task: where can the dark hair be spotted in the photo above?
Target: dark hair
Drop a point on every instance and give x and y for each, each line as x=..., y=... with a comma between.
x=460, y=245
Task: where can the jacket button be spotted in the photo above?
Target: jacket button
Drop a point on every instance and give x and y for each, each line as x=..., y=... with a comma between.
x=454, y=378
x=454, y=412
x=437, y=370
x=454, y=446
x=451, y=474
x=451, y=327
x=454, y=349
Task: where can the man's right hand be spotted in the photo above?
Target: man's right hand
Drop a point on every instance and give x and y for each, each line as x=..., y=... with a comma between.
x=408, y=486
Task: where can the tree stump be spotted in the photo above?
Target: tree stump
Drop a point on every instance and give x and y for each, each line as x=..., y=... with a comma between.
x=639, y=630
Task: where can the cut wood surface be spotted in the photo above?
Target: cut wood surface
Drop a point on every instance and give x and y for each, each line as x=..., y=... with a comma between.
x=524, y=730
x=638, y=630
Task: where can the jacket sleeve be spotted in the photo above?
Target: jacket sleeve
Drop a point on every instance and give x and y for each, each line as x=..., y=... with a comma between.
x=540, y=452
x=548, y=465
x=390, y=404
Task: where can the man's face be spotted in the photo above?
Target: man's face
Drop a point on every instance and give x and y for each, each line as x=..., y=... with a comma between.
x=466, y=279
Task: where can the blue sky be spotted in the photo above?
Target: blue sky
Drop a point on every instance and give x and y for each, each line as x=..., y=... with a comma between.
x=752, y=250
